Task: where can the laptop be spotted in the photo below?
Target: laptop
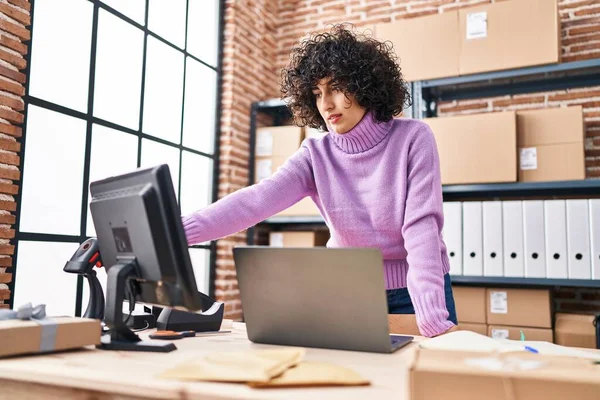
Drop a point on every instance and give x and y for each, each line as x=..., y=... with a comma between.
x=315, y=297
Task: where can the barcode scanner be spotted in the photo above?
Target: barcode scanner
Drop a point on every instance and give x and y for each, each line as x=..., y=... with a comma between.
x=83, y=261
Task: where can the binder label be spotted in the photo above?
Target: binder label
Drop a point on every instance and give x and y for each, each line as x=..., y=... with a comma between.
x=498, y=302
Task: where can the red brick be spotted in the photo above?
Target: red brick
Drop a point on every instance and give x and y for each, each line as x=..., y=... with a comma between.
x=575, y=4
x=520, y=100
x=5, y=261
x=9, y=158
x=5, y=277
x=13, y=44
x=8, y=173
x=15, y=104
x=580, y=39
x=10, y=145
x=15, y=29
x=24, y=4
x=11, y=130
x=7, y=233
x=4, y=306
x=8, y=206
x=11, y=73
x=15, y=60
x=8, y=218
x=12, y=87
x=584, y=47
x=11, y=115
x=4, y=294
x=573, y=95
x=583, y=30
x=15, y=13
x=463, y=107
x=587, y=11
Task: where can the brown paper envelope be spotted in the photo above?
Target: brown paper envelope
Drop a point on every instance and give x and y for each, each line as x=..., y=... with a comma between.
x=314, y=374
x=246, y=366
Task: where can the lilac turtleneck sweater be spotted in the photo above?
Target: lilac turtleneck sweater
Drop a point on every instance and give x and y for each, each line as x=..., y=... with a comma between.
x=377, y=185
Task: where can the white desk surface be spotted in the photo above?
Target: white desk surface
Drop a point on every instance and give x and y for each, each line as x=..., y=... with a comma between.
x=132, y=375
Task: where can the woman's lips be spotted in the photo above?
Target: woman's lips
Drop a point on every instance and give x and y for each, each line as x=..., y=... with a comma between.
x=334, y=118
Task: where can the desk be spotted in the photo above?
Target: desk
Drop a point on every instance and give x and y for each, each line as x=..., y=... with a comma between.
x=92, y=373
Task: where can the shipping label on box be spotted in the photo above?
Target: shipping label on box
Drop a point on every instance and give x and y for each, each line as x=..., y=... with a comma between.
x=528, y=158
x=477, y=25
x=498, y=303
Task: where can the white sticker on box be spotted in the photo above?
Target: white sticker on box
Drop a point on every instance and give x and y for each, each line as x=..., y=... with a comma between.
x=264, y=169
x=498, y=302
x=499, y=333
x=264, y=143
x=276, y=239
x=477, y=25
x=528, y=158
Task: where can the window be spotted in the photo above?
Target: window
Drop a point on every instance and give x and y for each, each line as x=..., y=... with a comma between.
x=114, y=85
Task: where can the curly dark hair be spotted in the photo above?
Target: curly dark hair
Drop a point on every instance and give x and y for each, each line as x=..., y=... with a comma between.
x=360, y=65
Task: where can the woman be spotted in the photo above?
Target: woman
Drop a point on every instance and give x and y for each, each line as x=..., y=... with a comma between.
x=375, y=179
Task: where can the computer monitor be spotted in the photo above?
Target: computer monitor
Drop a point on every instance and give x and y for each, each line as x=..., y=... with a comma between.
x=144, y=250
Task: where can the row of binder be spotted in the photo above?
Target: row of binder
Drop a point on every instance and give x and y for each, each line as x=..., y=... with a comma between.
x=558, y=239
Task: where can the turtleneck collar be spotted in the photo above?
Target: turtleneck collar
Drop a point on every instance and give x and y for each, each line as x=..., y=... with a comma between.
x=364, y=136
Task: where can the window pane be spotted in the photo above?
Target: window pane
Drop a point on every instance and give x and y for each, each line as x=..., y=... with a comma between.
x=196, y=182
x=203, y=30
x=113, y=153
x=118, y=71
x=60, y=57
x=200, y=262
x=164, y=91
x=167, y=20
x=53, y=173
x=200, y=107
x=134, y=9
x=154, y=153
x=41, y=280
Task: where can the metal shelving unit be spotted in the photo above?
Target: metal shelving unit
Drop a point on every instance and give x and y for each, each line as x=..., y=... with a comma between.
x=426, y=95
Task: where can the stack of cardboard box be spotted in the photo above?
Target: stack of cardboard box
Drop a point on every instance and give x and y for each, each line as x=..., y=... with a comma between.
x=531, y=146
x=505, y=313
x=502, y=35
x=298, y=239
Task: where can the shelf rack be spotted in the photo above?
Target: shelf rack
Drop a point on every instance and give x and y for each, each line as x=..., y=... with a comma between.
x=426, y=95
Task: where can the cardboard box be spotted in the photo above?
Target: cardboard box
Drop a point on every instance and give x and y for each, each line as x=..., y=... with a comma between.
x=458, y=375
x=478, y=148
x=434, y=54
x=477, y=328
x=514, y=333
x=304, y=208
x=25, y=336
x=403, y=324
x=509, y=34
x=298, y=239
x=280, y=141
x=519, y=307
x=470, y=304
x=551, y=144
x=575, y=330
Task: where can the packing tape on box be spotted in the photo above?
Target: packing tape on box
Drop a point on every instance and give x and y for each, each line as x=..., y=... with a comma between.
x=37, y=314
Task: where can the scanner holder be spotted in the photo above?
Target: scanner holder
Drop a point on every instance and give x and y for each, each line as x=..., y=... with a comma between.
x=83, y=261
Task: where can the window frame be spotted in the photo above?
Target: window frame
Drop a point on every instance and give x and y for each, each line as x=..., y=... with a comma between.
x=90, y=120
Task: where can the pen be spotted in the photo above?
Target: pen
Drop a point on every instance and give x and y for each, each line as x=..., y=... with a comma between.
x=531, y=349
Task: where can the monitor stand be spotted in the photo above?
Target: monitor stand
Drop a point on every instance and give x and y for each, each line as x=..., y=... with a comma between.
x=120, y=337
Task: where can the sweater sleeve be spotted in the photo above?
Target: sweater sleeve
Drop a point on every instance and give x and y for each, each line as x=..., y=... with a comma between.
x=248, y=206
x=421, y=231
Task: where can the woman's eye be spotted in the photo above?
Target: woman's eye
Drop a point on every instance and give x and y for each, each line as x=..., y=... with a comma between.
x=317, y=95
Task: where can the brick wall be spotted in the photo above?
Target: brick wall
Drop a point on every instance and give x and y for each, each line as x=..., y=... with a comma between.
x=249, y=75
x=259, y=35
x=14, y=35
